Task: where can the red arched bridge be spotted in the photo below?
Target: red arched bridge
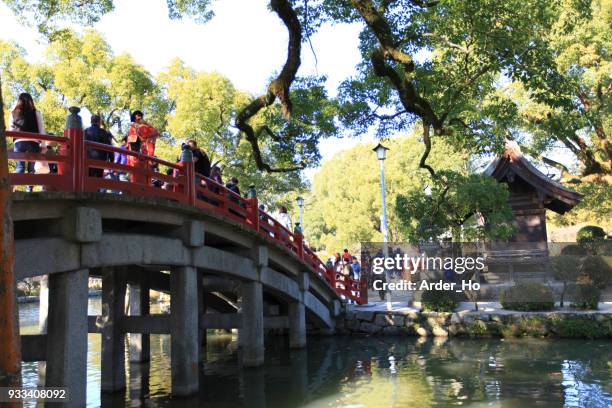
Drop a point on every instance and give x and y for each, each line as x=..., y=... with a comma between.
x=225, y=263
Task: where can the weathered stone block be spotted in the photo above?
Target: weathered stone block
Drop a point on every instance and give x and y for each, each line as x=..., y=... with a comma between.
x=193, y=233
x=398, y=320
x=421, y=331
x=365, y=316
x=439, y=331
x=383, y=320
x=260, y=256
x=369, y=328
x=82, y=224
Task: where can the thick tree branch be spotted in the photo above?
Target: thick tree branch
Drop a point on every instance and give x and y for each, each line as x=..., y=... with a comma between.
x=278, y=88
x=423, y=162
x=402, y=81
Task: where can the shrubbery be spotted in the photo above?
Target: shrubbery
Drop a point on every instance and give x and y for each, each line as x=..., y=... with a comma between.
x=573, y=250
x=439, y=301
x=580, y=328
x=527, y=297
x=566, y=268
x=590, y=233
x=584, y=295
x=595, y=271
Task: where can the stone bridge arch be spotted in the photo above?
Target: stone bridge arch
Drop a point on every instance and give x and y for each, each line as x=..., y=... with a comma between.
x=149, y=243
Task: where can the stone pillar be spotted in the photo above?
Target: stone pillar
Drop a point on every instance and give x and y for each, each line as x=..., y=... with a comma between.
x=252, y=331
x=297, y=325
x=297, y=314
x=67, y=334
x=138, y=305
x=184, y=331
x=201, y=311
x=113, y=338
x=43, y=313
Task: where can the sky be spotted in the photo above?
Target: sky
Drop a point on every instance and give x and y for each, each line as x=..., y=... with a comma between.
x=248, y=46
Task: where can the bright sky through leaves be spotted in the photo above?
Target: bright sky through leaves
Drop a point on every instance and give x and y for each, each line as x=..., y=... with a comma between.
x=221, y=45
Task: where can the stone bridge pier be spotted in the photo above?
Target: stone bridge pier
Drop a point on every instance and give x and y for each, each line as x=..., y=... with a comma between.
x=218, y=275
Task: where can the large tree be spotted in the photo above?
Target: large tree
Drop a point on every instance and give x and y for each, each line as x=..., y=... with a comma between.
x=344, y=205
x=81, y=70
x=564, y=91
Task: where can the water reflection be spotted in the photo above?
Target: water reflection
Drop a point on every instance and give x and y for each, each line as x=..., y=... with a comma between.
x=366, y=372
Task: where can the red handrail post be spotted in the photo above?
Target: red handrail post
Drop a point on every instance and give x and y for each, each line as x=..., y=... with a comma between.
x=253, y=212
x=332, y=277
x=74, y=132
x=363, y=290
x=299, y=242
x=190, y=176
x=190, y=180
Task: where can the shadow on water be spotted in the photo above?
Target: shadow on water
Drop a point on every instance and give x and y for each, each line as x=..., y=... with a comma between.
x=367, y=372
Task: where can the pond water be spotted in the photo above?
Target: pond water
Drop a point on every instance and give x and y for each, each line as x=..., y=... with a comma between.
x=370, y=372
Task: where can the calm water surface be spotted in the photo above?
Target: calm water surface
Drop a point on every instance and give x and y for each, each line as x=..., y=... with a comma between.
x=366, y=372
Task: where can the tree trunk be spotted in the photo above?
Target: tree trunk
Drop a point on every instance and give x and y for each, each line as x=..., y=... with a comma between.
x=10, y=344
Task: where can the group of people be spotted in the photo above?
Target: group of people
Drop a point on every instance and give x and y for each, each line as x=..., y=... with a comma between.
x=141, y=137
x=345, y=264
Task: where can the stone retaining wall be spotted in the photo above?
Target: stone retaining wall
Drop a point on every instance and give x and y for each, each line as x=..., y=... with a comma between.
x=567, y=324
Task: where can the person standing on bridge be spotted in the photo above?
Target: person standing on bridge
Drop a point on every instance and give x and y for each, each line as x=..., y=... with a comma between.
x=26, y=118
x=284, y=218
x=141, y=138
x=142, y=135
x=95, y=133
x=201, y=162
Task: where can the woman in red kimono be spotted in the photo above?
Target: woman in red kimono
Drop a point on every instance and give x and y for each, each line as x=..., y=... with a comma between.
x=141, y=138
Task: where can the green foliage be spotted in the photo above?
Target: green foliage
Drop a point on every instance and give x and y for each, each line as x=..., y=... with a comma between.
x=451, y=204
x=584, y=295
x=526, y=326
x=562, y=93
x=595, y=207
x=580, y=327
x=439, y=301
x=590, y=233
x=527, y=297
x=595, y=270
x=477, y=328
x=566, y=269
x=345, y=204
x=81, y=70
x=48, y=15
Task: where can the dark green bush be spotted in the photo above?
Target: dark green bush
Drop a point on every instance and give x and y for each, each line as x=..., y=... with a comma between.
x=596, y=271
x=584, y=295
x=574, y=250
x=579, y=328
x=590, y=233
x=527, y=297
x=439, y=301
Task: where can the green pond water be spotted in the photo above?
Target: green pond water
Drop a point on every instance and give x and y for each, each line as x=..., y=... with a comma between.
x=366, y=372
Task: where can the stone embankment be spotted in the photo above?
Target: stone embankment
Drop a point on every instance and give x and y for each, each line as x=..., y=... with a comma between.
x=469, y=323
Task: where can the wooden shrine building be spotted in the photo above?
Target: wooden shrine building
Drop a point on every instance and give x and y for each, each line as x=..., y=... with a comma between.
x=531, y=194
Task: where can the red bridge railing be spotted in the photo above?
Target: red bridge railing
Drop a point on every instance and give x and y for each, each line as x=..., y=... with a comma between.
x=73, y=169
